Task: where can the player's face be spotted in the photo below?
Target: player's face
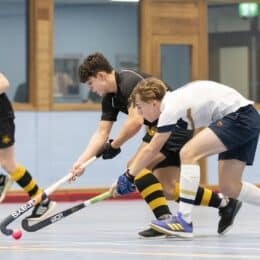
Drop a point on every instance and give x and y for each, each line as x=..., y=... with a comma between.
x=148, y=110
x=98, y=85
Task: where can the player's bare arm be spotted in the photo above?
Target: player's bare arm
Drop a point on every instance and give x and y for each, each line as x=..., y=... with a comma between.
x=145, y=157
x=131, y=126
x=95, y=144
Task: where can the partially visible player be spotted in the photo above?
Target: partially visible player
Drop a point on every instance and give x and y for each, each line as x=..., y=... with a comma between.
x=232, y=131
x=17, y=172
x=160, y=180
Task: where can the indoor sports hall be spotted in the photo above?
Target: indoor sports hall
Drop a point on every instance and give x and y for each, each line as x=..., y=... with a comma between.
x=43, y=45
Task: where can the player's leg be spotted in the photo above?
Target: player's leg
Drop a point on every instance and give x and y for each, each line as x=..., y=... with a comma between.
x=169, y=179
x=192, y=151
x=230, y=173
x=233, y=137
x=23, y=178
x=163, y=182
x=151, y=191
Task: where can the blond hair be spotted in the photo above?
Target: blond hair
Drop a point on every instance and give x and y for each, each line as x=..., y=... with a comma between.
x=148, y=89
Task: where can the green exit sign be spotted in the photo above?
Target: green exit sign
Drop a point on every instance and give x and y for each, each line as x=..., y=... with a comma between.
x=248, y=9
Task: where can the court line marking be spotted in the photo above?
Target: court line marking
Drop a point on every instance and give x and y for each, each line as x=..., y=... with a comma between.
x=125, y=252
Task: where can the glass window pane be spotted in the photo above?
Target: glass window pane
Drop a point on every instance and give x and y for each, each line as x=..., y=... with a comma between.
x=234, y=49
x=87, y=27
x=13, y=47
x=175, y=65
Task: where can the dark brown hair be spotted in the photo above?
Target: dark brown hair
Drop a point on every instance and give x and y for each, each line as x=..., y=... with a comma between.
x=93, y=64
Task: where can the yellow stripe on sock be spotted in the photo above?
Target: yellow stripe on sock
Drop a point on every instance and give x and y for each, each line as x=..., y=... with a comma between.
x=206, y=197
x=157, y=202
x=188, y=192
x=29, y=186
x=18, y=173
x=176, y=191
x=142, y=173
x=150, y=189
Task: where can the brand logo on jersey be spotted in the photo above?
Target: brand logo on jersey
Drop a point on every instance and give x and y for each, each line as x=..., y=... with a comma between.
x=6, y=139
x=151, y=131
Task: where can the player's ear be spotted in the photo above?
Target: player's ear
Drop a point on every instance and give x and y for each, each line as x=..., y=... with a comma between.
x=101, y=75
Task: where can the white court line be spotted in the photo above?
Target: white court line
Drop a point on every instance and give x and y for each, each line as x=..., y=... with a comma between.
x=125, y=252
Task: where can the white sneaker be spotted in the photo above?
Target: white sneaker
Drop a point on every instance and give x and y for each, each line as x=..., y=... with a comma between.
x=42, y=210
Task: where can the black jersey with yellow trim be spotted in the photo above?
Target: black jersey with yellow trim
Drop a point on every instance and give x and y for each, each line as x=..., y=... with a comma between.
x=6, y=110
x=113, y=103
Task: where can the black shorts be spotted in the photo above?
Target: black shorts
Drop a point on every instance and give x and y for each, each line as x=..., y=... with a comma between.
x=7, y=130
x=239, y=132
x=172, y=147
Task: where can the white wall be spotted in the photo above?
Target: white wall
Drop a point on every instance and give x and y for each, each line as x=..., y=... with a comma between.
x=48, y=143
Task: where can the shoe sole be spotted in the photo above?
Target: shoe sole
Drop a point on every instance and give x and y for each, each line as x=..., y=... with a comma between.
x=172, y=233
x=231, y=225
x=48, y=213
x=163, y=236
x=7, y=187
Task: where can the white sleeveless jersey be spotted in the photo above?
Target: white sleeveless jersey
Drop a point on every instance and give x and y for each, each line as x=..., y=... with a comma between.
x=199, y=103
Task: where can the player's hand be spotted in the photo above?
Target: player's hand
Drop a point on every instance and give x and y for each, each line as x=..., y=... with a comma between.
x=108, y=151
x=76, y=171
x=125, y=183
x=113, y=191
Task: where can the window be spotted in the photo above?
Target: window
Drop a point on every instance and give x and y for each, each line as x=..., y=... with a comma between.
x=13, y=48
x=84, y=27
x=234, y=49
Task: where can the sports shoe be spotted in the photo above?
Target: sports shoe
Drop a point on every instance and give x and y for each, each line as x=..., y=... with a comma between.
x=227, y=215
x=150, y=233
x=174, y=226
x=42, y=210
x=5, y=185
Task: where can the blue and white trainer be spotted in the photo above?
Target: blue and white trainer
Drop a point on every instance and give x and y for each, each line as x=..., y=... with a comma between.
x=173, y=226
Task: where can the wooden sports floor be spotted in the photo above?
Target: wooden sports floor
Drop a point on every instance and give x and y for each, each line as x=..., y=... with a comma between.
x=108, y=230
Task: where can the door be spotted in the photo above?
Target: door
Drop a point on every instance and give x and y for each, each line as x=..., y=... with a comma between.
x=174, y=43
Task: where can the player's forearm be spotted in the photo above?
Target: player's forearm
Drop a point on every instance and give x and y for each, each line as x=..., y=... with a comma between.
x=95, y=144
x=128, y=131
x=142, y=160
x=4, y=83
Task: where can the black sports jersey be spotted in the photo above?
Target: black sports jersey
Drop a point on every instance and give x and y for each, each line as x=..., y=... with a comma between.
x=6, y=110
x=112, y=103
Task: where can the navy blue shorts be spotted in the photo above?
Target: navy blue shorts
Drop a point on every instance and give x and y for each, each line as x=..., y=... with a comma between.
x=239, y=132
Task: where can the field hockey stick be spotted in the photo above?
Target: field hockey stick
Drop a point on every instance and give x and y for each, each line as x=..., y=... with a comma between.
x=62, y=214
x=36, y=200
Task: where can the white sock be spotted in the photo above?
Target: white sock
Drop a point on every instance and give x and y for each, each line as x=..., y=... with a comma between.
x=250, y=194
x=189, y=183
x=224, y=200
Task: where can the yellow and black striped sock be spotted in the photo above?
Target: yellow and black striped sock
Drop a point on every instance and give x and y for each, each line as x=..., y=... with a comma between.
x=204, y=197
x=151, y=191
x=24, y=179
